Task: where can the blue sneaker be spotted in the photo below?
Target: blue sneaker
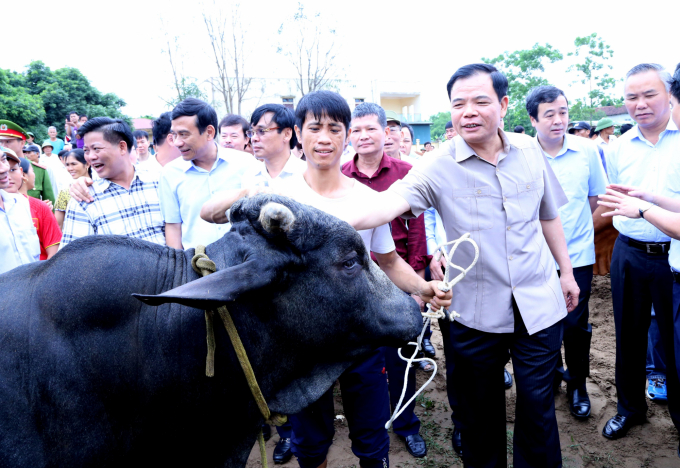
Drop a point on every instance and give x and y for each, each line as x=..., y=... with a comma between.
x=656, y=389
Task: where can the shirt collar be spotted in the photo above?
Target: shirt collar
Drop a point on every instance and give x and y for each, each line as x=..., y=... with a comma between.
x=386, y=164
x=293, y=166
x=101, y=185
x=9, y=199
x=222, y=153
x=462, y=150
x=670, y=127
x=567, y=145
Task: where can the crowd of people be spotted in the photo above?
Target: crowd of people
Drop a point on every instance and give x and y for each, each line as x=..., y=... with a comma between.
x=534, y=206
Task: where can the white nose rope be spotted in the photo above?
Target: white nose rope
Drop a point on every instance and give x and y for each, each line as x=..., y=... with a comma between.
x=430, y=314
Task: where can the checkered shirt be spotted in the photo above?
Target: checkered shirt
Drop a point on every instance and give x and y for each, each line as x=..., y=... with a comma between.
x=115, y=210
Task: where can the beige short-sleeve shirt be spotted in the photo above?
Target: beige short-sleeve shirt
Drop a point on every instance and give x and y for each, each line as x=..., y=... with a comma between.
x=500, y=206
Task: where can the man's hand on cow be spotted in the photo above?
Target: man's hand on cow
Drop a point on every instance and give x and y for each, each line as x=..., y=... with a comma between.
x=623, y=205
x=570, y=290
x=79, y=190
x=431, y=294
x=436, y=268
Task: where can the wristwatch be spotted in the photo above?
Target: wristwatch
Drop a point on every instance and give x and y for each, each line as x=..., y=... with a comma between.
x=642, y=212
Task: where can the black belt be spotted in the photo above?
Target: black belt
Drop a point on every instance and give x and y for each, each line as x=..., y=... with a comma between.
x=652, y=248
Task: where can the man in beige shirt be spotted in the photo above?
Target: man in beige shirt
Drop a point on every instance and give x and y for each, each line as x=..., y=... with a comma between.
x=500, y=188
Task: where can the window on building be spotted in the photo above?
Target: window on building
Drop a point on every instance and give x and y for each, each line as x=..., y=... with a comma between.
x=358, y=101
x=288, y=102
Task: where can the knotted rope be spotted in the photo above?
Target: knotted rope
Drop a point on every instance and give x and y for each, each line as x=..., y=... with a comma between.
x=429, y=314
x=204, y=266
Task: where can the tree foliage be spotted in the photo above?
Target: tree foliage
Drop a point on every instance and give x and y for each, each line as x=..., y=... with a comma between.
x=439, y=120
x=521, y=68
x=311, y=50
x=592, y=70
x=40, y=97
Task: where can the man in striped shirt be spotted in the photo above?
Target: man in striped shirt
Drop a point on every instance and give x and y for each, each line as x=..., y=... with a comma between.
x=123, y=201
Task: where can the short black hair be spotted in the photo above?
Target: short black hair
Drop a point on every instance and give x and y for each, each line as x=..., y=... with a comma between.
x=71, y=113
x=500, y=82
x=540, y=95
x=427, y=143
x=63, y=153
x=205, y=114
x=233, y=119
x=283, y=118
x=161, y=128
x=83, y=115
x=320, y=103
x=410, y=129
x=448, y=125
x=625, y=128
x=675, y=83
x=519, y=129
x=140, y=134
x=113, y=130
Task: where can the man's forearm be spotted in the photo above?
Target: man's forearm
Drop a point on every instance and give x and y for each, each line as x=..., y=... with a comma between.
x=667, y=203
x=401, y=273
x=554, y=237
x=173, y=235
x=381, y=208
x=215, y=209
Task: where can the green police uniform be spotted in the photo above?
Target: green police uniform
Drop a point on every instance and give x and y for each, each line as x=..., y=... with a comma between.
x=43, y=185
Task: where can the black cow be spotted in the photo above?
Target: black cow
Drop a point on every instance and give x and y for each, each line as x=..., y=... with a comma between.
x=91, y=376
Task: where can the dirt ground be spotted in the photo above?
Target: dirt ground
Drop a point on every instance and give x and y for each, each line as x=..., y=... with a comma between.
x=651, y=445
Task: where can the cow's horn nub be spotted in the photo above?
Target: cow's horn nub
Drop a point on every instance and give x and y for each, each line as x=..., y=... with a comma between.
x=276, y=218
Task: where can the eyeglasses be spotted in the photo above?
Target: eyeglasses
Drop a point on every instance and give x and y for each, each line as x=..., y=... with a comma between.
x=260, y=131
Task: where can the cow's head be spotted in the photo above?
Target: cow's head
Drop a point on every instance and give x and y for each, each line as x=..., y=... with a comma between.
x=307, y=279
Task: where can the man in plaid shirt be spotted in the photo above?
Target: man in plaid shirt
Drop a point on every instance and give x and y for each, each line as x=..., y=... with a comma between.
x=123, y=201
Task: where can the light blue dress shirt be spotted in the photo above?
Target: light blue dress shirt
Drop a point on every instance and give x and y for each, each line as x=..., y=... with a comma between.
x=19, y=242
x=579, y=169
x=185, y=187
x=632, y=160
x=434, y=230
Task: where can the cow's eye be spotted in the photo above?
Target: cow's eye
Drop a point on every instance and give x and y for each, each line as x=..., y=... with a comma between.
x=349, y=264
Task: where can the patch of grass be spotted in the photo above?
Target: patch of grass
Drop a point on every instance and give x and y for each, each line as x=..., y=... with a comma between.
x=605, y=460
x=425, y=402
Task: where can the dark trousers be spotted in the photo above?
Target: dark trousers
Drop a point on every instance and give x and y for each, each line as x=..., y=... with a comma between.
x=640, y=280
x=366, y=403
x=284, y=430
x=577, y=333
x=480, y=394
x=656, y=358
x=407, y=423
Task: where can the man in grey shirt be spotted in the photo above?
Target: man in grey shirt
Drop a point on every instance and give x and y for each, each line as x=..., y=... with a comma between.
x=501, y=189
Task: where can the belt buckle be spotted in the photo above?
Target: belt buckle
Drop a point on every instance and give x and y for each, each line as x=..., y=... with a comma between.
x=649, y=249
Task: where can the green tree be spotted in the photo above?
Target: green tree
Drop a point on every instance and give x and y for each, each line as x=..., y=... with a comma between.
x=592, y=71
x=521, y=68
x=19, y=105
x=438, y=122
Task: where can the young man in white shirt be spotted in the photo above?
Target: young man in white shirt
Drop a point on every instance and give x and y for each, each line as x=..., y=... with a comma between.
x=322, y=125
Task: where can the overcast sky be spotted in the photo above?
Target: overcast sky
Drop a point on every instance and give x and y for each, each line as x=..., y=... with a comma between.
x=118, y=44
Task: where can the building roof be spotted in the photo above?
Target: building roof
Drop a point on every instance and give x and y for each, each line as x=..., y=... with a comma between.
x=142, y=124
x=612, y=110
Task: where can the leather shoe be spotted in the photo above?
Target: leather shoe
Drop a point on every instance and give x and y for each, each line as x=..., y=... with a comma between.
x=619, y=425
x=457, y=442
x=428, y=348
x=282, y=451
x=266, y=431
x=508, y=378
x=415, y=445
x=579, y=403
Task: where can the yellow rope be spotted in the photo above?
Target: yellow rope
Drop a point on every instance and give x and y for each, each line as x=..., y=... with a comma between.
x=204, y=266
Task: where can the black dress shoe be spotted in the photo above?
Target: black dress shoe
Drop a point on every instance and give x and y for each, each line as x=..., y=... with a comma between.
x=266, y=432
x=619, y=425
x=282, y=451
x=508, y=378
x=457, y=442
x=579, y=403
x=428, y=348
x=415, y=445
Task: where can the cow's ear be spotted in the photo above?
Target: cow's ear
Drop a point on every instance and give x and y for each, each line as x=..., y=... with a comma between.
x=216, y=289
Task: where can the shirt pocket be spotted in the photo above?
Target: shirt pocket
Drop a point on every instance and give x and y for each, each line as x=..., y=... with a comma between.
x=529, y=196
x=473, y=208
